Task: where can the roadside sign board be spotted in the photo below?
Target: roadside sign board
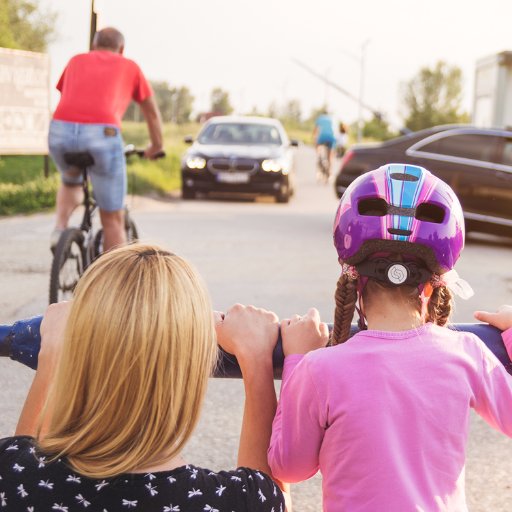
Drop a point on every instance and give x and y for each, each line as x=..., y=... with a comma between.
x=24, y=102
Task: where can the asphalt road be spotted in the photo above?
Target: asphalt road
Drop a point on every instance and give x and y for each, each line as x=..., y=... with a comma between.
x=271, y=255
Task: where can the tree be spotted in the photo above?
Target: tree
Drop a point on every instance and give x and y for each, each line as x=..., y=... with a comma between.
x=377, y=129
x=433, y=97
x=318, y=112
x=292, y=113
x=174, y=103
x=182, y=104
x=220, y=101
x=24, y=26
x=272, y=111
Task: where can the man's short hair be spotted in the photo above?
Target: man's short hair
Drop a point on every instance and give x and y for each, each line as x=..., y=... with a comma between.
x=109, y=38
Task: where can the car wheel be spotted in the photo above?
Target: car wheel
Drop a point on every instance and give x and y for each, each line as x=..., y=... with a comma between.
x=188, y=193
x=283, y=196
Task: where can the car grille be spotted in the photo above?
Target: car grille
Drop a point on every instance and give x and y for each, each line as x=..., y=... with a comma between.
x=232, y=164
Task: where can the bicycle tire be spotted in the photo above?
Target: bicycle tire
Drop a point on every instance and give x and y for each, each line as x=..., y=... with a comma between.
x=132, y=235
x=69, y=255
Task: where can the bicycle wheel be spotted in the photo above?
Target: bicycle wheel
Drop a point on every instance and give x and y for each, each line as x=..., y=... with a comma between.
x=67, y=265
x=132, y=235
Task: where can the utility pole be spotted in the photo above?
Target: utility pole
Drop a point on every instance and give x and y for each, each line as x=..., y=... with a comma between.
x=361, y=90
x=353, y=97
x=94, y=20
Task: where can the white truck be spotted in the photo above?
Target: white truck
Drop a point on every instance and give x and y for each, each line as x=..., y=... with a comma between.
x=492, y=103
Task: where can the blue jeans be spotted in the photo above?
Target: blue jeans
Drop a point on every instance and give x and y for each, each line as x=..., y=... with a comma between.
x=105, y=144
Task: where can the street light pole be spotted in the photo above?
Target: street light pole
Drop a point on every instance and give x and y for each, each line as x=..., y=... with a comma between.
x=94, y=19
x=361, y=89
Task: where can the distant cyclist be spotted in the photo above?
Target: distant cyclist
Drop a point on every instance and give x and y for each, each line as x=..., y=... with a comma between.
x=96, y=89
x=325, y=134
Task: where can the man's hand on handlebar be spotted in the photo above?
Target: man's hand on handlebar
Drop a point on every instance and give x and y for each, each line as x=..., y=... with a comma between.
x=153, y=152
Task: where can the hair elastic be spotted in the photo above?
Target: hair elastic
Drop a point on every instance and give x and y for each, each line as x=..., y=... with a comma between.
x=350, y=271
x=454, y=283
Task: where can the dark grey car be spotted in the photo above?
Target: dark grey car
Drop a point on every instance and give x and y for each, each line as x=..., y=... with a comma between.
x=240, y=155
x=475, y=162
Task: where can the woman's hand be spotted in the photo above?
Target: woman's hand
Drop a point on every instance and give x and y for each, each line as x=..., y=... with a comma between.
x=302, y=334
x=502, y=319
x=247, y=332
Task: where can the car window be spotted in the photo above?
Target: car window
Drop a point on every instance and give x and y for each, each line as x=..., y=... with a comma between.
x=471, y=145
x=240, y=133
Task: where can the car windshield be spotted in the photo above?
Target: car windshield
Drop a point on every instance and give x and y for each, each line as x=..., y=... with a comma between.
x=240, y=133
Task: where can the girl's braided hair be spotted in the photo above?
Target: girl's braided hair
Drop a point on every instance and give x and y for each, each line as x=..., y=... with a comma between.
x=346, y=298
x=439, y=306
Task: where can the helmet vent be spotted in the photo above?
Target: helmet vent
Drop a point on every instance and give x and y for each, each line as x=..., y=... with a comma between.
x=403, y=177
x=372, y=207
x=401, y=232
x=429, y=212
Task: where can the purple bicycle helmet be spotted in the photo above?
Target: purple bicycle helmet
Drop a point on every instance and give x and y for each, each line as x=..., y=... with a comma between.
x=403, y=209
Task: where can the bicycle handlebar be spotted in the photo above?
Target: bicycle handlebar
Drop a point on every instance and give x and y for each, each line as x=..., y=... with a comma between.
x=21, y=342
x=130, y=150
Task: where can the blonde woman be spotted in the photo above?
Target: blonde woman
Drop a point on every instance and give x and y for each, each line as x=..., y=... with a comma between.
x=121, y=378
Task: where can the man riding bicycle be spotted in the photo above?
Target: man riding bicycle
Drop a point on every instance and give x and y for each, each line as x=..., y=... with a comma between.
x=96, y=89
x=325, y=134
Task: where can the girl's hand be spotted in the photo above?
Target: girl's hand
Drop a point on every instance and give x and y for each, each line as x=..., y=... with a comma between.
x=301, y=334
x=247, y=332
x=502, y=319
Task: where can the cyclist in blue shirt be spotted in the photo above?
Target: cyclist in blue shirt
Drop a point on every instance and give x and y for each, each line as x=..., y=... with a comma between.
x=325, y=134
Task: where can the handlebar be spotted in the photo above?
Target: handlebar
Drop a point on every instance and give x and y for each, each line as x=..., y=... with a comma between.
x=21, y=342
x=130, y=150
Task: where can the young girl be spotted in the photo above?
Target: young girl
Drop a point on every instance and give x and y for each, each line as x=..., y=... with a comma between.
x=125, y=371
x=384, y=414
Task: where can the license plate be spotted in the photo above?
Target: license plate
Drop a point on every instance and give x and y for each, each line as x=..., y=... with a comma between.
x=233, y=177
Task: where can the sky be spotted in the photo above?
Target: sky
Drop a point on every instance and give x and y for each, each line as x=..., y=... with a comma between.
x=248, y=47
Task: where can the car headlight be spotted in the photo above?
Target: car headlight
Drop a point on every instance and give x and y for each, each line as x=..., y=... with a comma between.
x=274, y=166
x=195, y=162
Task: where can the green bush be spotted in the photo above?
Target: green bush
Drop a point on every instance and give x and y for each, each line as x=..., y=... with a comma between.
x=32, y=196
x=24, y=189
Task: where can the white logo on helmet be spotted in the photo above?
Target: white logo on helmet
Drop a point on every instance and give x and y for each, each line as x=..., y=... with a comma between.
x=397, y=273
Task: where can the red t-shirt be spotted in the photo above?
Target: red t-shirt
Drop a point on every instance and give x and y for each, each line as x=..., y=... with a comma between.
x=97, y=87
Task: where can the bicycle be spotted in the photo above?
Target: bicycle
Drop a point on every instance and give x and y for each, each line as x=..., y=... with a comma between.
x=79, y=246
x=323, y=164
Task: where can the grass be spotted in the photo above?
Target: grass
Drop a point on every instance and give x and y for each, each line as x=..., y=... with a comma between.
x=25, y=189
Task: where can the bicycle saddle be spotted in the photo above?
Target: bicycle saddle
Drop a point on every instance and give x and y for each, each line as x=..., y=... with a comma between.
x=80, y=159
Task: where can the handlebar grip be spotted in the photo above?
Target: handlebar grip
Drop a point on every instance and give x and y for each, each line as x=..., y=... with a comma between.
x=491, y=336
x=140, y=153
x=21, y=342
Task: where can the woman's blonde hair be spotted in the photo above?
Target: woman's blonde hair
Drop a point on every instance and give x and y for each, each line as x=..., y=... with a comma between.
x=138, y=350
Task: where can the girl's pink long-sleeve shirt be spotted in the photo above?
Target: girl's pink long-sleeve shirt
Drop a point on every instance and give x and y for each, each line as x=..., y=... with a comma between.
x=385, y=415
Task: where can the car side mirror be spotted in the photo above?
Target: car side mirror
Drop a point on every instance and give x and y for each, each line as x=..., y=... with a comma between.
x=188, y=139
x=295, y=143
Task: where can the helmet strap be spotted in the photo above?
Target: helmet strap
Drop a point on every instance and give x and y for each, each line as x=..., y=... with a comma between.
x=361, y=285
x=395, y=273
